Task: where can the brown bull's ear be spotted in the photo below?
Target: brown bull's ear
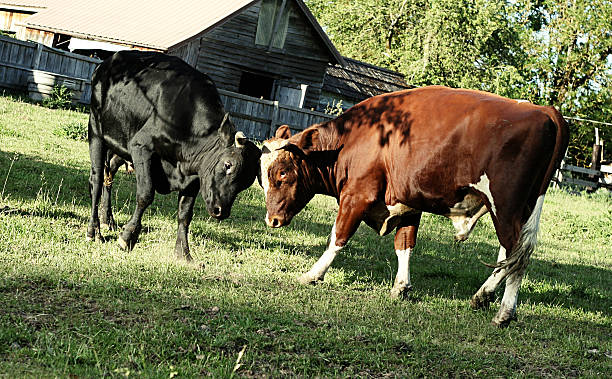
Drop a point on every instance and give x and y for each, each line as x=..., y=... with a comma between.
x=283, y=132
x=227, y=131
x=310, y=140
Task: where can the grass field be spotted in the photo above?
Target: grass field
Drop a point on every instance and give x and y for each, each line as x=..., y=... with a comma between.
x=69, y=308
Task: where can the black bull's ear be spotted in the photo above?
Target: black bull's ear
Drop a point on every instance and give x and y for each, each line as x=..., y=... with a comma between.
x=322, y=157
x=227, y=131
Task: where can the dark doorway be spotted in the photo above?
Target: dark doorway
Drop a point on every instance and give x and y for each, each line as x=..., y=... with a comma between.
x=256, y=85
x=61, y=41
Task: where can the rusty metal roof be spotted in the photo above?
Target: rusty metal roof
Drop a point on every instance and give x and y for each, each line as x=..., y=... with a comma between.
x=154, y=24
x=360, y=80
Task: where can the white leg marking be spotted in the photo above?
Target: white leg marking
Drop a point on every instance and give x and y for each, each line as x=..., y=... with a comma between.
x=318, y=270
x=495, y=278
x=502, y=254
x=507, y=308
x=525, y=246
x=483, y=186
x=402, y=279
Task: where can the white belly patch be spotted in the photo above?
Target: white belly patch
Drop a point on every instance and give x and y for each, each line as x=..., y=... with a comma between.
x=465, y=214
x=383, y=218
x=483, y=186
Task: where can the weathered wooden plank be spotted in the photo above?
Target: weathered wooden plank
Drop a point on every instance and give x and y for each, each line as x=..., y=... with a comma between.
x=37, y=56
x=581, y=170
x=71, y=67
x=14, y=54
x=579, y=182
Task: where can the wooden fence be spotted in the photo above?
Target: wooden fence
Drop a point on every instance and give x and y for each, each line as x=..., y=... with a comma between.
x=36, y=68
x=569, y=175
x=259, y=118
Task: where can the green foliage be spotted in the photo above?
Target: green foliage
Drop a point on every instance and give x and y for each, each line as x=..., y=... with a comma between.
x=335, y=108
x=60, y=98
x=76, y=130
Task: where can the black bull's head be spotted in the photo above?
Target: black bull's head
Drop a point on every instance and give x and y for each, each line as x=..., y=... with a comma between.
x=232, y=171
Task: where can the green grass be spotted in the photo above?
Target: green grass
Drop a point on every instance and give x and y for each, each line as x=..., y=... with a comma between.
x=79, y=309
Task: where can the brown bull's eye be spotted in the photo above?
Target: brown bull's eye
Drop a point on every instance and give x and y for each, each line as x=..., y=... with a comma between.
x=283, y=174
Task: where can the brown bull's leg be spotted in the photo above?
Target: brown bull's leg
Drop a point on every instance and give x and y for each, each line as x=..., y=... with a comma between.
x=405, y=240
x=521, y=253
x=484, y=296
x=349, y=216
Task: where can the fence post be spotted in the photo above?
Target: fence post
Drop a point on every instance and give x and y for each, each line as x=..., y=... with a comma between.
x=37, y=55
x=595, y=161
x=274, y=120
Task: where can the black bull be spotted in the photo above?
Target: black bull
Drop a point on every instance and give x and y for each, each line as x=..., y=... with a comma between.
x=166, y=118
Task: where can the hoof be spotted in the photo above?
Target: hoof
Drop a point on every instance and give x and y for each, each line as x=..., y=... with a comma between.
x=183, y=255
x=481, y=302
x=308, y=279
x=400, y=292
x=503, y=318
x=123, y=244
x=500, y=323
x=95, y=237
x=461, y=237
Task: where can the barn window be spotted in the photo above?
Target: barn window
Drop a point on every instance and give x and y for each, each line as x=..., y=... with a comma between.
x=256, y=85
x=273, y=23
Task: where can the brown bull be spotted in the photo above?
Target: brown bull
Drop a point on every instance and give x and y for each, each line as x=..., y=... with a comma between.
x=451, y=152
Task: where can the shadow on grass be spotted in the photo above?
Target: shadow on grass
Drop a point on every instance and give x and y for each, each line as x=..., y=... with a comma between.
x=443, y=267
x=30, y=176
x=173, y=330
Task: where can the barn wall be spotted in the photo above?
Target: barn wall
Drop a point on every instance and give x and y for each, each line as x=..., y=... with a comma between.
x=230, y=49
x=9, y=19
x=40, y=36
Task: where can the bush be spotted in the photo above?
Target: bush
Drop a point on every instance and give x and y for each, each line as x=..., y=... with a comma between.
x=60, y=98
x=73, y=130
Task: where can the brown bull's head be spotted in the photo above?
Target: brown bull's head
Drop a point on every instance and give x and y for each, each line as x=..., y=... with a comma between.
x=282, y=177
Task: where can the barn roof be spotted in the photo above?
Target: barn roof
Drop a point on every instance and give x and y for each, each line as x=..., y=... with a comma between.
x=154, y=24
x=32, y=5
x=360, y=80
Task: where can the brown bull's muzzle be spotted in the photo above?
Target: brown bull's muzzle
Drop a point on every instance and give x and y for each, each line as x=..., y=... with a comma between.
x=276, y=221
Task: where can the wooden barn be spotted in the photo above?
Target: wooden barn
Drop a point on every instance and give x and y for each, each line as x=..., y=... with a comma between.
x=12, y=13
x=355, y=81
x=268, y=49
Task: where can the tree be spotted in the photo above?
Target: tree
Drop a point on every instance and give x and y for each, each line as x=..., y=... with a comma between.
x=551, y=52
